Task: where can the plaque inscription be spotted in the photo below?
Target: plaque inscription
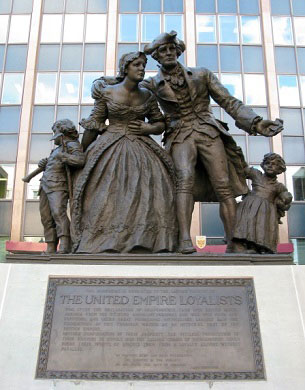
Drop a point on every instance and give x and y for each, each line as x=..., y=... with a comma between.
x=150, y=329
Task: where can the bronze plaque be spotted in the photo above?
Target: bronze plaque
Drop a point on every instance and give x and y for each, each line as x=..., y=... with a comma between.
x=151, y=329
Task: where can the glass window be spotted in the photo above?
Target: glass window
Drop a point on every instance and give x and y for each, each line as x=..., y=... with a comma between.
x=210, y=212
x=253, y=59
x=285, y=60
x=295, y=181
x=296, y=218
x=233, y=83
x=255, y=89
x=88, y=79
x=68, y=88
x=248, y=6
x=5, y=6
x=53, y=6
x=94, y=57
x=301, y=59
x=216, y=112
x=258, y=147
x=126, y=48
x=206, y=30
x=45, y=88
x=128, y=5
x=7, y=172
x=288, y=91
x=262, y=111
x=150, y=27
x=250, y=29
x=96, y=28
x=2, y=48
x=71, y=57
x=280, y=7
x=299, y=25
x=85, y=111
x=172, y=6
x=298, y=250
x=282, y=33
x=43, y=119
x=12, y=88
x=302, y=80
x=207, y=56
x=230, y=58
x=8, y=148
x=228, y=29
x=75, y=6
x=68, y=112
x=16, y=58
x=151, y=5
x=19, y=30
x=241, y=141
x=5, y=218
x=227, y=6
x=9, y=119
x=34, y=185
x=298, y=7
x=32, y=222
x=48, y=57
x=73, y=28
x=22, y=6
x=231, y=123
x=292, y=121
x=294, y=150
x=174, y=22
x=97, y=6
x=3, y=27
x=41, y=146
x=205, y=6
x=151, y=63
x=51, y=28
x=128, y=30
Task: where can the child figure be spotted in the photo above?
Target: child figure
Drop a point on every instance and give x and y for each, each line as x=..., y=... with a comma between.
x=258, y=215
x=55, y=188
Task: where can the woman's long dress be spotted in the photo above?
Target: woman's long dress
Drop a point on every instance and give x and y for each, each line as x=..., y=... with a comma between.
x=124, y=198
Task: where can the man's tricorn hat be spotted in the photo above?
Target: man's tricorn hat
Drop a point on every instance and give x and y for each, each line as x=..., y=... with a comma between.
x=162, y=39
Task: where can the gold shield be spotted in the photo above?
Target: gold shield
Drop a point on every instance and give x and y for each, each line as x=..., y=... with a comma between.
x=201, y=241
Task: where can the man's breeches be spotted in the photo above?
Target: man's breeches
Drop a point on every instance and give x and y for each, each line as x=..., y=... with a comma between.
x=53, y=213
x=212, y=154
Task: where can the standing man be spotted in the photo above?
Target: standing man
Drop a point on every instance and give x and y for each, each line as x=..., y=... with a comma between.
x=201, y=147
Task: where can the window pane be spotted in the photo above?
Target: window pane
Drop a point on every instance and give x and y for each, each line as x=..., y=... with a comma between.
x=48, y=57
x=128, y=31
x=9, y=119
x=299, y=25
x=96, y=28
x=253, y=59
x=296, y=218
x=73, y=28
x=19, y=30
x=88, y=79
x=292, y=121
x=211, y=222
x=75, y=6
x=126, y=48
x=302, y=80
x=69, y=88
x=53, y=6
x=295, y=180
x=248, y=6
x=34, y=185
x=258, y=147
x=298, y=7
x=207, y=57
x=288, y=91
x=5, y=6
x=250, y=28
x=32, y=222
x=128, y=5
x=16, y=58
x=227, y=6
x=230, y=58
x=216, y=112
x=262, y=111
x=7, y=172
x=172, y=6
x=233, y=83
x=285, y=60
x=2, y=48
x=228, y=29
x=255, y=89
x=12, y=88
x=8, y=148
x=5, y=218
x=241, y=141
x=294, y=150
x=280, y=7
x=94, y=57
x=43, y=119
x=150, y=27
x=282, y=33
x=151, y=5
x=41, y=147
x=298, y=250
x=151, y=63
x=231, y=123
x=68, y=112
x=71, y=58
x=205, y=26
x=174, y=22
x=45, y=88
x=3, y=28
x=97, y=5
x=51, y=28
x=22, y=6
x=85, y=111
x=301, y=59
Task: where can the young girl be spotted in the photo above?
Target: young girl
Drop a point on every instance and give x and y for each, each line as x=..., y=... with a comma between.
x=258, y=215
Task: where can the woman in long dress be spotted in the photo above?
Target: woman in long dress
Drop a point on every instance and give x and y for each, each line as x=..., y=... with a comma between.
x=124, y=198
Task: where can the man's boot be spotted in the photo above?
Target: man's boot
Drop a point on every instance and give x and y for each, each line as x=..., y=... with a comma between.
x=51, y=247
x=64, y=245
x=185, y=206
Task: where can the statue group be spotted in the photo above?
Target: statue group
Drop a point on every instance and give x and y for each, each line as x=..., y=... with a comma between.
x=128, y=194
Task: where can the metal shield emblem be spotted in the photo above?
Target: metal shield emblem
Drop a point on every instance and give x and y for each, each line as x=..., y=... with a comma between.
x=201, y=241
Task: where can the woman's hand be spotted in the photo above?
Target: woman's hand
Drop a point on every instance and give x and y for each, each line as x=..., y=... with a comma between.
x=138, y=127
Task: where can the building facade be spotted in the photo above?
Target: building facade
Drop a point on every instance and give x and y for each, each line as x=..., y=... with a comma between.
x=52, y=50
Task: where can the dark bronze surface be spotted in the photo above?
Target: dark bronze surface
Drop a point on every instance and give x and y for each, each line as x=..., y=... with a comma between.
x=151, y=329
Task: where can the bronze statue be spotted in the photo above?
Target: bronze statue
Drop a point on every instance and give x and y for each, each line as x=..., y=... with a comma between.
x=124, y=198
x=56, y=185
x=258, y=215
x=209, y=165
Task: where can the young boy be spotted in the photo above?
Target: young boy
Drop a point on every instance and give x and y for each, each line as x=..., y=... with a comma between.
x=55, y=184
